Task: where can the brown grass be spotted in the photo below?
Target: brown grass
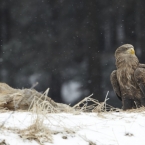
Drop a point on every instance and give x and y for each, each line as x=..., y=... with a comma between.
x=38, y=131
x=40, y=105
x=39, y=108
x=138, y=110
x=95, y=106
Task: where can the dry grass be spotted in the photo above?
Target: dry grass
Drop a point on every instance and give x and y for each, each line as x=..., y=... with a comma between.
x=40, y=105
x=14, y=99
x=3, y=142
x=39, y=109
x=95, y=106
x=38, y=131
x=138, y=110
x=87, y=140
x=25, y=99
x=129, y=134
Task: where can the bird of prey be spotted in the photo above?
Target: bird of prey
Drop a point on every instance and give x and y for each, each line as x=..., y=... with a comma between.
x=128, y=80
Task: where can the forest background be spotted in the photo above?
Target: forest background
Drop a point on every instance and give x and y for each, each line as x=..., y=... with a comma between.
x=67, y=46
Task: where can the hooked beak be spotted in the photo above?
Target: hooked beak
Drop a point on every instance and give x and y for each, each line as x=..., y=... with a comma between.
x=131, y=51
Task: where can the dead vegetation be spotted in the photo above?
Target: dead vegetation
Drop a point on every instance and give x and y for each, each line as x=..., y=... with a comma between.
x=87, y=140
x=13, y=99
x=3, y=142
x=138, y=110
x=40, y=105
x=129, y=134
x=23, y=99
x=36, y=103
x=95, y=106
x=38, y=131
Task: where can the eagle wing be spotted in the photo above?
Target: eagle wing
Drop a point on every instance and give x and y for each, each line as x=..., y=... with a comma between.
x=141, y=65
x=115, y=84
x=139, y=75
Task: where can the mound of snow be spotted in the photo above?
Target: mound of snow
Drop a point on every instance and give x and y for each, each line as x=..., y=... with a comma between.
x=111, y=128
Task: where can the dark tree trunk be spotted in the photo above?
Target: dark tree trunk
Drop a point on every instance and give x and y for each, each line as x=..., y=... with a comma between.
x=55, y=90
x=1, y=37
x=95, y=68
x=7, y=22
x=95, y=75
x=140, y=29
x=6, y=26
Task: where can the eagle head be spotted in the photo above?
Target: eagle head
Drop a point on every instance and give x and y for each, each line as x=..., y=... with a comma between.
x=126, y=49
x=125, y=55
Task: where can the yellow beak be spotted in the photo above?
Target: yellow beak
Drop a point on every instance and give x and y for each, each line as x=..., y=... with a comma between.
x=131, y=51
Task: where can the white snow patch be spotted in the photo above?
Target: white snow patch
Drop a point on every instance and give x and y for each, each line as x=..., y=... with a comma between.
x=111, y=128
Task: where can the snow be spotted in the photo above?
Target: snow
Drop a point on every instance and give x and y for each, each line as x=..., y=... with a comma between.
x=110, y=128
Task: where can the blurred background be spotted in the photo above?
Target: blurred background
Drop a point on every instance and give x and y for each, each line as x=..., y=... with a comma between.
x=67, y=46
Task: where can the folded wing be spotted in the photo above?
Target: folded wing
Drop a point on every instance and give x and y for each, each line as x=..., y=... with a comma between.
x=139, y=75
x=115, y=84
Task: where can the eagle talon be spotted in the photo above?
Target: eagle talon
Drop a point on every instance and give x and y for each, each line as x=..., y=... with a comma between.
x=142, y=100
x=128, y=104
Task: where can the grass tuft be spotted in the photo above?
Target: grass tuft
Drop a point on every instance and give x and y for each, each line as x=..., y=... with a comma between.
x=95, y=105
x=38, y=131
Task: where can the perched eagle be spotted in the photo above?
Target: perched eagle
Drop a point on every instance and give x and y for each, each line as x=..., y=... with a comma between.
x=128, y=80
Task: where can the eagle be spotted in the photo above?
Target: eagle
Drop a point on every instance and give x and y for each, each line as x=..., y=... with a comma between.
x=128, y=80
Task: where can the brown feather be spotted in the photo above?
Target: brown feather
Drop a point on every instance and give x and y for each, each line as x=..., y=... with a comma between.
x=115, y=84
x=127, y=80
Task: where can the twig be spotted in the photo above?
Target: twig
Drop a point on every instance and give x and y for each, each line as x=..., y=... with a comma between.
x=106, y=99
x=34, y=85
x=82, y=101
x=10, y=114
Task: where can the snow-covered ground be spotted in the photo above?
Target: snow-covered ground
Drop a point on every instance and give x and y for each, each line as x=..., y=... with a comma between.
x=111, y=128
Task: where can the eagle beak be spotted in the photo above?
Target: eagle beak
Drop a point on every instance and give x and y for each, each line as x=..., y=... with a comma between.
x=131, y=51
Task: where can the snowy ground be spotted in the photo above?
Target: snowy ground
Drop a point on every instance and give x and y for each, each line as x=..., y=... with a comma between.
x=112, y=128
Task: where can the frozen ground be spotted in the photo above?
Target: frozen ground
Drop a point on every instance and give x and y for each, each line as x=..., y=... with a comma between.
x=112, y=128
